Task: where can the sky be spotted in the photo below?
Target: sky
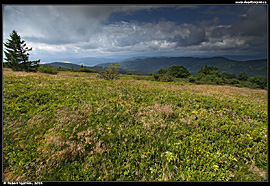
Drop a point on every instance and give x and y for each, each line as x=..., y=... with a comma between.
x=62, y=32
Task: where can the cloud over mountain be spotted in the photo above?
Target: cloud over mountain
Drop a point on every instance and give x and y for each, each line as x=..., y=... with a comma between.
x=91, y=30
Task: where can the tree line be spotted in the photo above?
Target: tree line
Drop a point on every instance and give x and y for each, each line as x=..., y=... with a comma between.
x=211, y=75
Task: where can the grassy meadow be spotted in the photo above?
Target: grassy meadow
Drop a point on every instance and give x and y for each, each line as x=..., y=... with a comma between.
x=75, y=127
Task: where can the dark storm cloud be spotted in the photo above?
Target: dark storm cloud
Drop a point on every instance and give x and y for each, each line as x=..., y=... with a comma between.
x=47, y=24
x=249, y=33
x=153, y=35
x=252, y=23
x=59, y=24
x=84, y=29
x=195, y=35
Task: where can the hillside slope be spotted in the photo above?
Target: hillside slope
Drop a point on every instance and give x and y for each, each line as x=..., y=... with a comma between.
x=63, y=65
x=154, y=64
x=76, y=127
x=77, y=67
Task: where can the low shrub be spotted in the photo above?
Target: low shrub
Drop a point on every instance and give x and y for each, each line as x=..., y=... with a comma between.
x=192, y=79
x=165, y=78
x=48, y=70
x=88, y=70
x=110, y=73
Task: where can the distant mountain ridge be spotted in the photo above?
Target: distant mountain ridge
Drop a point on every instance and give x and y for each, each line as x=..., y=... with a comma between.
x=154, y=64
x=91, y=61
x=63, y=65
x=150, y=65
x=76, y=66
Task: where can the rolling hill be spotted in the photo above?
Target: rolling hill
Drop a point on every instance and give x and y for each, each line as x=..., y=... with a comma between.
x=154, y=64
x=77, y=67
x=63, y=65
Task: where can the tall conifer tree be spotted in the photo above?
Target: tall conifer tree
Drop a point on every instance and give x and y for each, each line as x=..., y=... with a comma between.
x=17, y=54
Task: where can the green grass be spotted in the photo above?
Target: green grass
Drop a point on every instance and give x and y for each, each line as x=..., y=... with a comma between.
x=74, y=126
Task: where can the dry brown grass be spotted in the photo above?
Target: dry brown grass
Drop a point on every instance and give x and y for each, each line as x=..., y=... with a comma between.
x=9, y=72
x=256, y=170
x=224, y=90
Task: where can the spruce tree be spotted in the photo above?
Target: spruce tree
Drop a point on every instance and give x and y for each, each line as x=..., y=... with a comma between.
x=17, y=54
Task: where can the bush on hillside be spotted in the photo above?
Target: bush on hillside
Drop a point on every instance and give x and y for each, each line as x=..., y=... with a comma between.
x=88, y=70
x=110, y=73
x=48, y=70
x=171, y=73
x=192, y=79
x=211, y=75
x=165, y=77
x=261, y=82
x=178, y=72
x=242, y=77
